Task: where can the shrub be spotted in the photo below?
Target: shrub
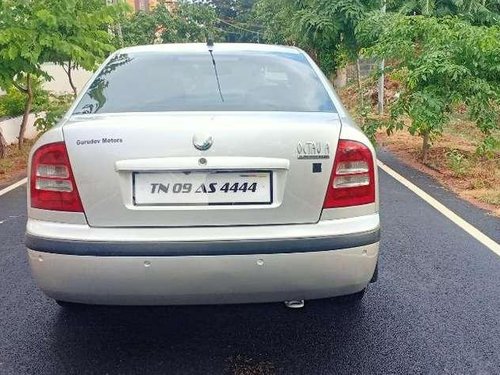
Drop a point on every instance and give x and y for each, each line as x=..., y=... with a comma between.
x=55, y=108
x=441, y=63
x=13, y=102
x=458, y=163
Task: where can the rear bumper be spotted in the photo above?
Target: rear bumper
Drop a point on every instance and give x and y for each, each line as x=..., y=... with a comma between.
x=221, y=266
x=203, y=279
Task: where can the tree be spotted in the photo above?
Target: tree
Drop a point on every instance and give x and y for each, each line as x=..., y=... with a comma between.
x=22, y=29
x=324, y=28
x=477, y=12
x=441, y=62
x=187, y=22
x=86, y=32
x=3, y=145
x=140, y=27
x=192, y=22
x=235, y=20
x=33, y=32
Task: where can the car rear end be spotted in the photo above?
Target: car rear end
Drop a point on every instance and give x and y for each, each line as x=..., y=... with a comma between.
x=178, y=179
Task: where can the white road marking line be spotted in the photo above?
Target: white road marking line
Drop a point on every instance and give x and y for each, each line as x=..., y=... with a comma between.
x=473, y=231
x=13, y=186
x=10, y=218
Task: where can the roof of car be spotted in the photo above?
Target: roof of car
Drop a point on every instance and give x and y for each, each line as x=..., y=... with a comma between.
x=202, y=47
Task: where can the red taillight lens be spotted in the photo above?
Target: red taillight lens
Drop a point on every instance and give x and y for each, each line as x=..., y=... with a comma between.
x=52, y=183
x=352, y=182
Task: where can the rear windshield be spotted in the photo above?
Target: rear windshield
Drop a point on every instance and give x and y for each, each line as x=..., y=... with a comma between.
x=248, y=81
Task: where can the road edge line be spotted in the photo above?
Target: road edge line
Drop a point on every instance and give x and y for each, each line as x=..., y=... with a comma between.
x=13, y=186
x=464, y=225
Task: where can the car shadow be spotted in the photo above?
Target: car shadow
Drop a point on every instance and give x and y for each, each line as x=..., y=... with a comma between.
x=238, y=339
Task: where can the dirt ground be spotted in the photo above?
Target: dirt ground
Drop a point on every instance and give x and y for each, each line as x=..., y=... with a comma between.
x=453, y=159
x=13, y=166
x=478, y=182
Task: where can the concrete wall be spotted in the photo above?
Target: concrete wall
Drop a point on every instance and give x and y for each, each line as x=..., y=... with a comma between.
x=59, y=83
x=10, y=128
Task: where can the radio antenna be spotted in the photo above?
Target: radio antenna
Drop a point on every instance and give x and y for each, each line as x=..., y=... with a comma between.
x=210, y=45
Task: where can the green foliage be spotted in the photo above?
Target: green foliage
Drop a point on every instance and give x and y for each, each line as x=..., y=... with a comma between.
x=322, y=27
x=326, y=28
x=235, y=20
x=370, y=127
x=477, y=12
x=13, y=102
x=83, y=27
x=441, y=62
x=55, y=108
x=190, y=22
x=458, y=163
x=489, y=147
x=20, y=47
x=367, y=122
x=35, y=32
x=140, y=28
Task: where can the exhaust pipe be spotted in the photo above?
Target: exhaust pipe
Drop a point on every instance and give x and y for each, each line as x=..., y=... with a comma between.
x=295, y=304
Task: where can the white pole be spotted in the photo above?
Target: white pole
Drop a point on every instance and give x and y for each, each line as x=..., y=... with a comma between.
x=118, y=26
x=381, y=79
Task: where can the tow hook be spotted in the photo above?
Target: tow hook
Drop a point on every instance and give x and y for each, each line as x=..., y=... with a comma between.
x=297, y=304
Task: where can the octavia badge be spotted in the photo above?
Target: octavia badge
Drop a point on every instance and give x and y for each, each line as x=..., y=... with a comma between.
x=202, y=142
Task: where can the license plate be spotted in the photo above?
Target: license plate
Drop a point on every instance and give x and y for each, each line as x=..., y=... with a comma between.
x=202, y=188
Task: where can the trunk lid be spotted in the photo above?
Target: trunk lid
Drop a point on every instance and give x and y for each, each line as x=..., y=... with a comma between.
x=117, y=159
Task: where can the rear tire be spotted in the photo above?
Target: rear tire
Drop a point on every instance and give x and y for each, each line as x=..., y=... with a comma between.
x=69, y=305
x=352, y=299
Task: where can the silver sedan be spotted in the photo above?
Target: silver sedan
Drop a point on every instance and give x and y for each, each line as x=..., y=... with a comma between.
x=203, y=174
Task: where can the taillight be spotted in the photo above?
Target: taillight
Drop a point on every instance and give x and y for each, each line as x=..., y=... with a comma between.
x=52, y=183
x=352, y=182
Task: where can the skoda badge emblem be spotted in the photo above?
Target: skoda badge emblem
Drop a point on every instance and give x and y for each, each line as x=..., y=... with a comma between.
x=202, y=141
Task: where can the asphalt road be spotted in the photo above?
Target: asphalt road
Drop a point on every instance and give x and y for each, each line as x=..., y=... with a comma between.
x=434, y=310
